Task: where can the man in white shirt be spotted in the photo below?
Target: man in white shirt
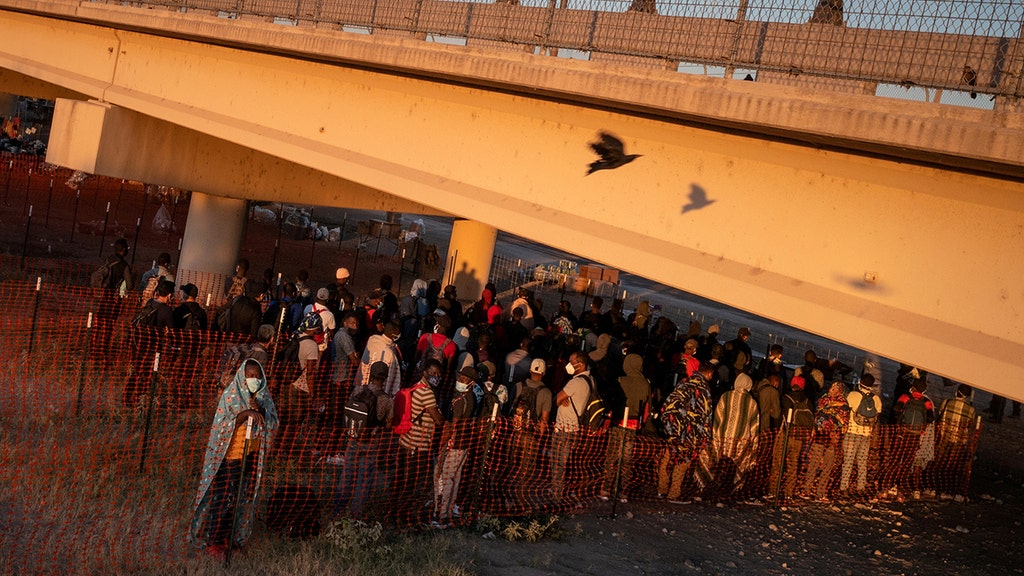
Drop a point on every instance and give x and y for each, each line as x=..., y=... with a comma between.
x=572, y=400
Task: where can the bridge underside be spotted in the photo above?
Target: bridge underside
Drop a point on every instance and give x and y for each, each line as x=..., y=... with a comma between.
x=914, y=262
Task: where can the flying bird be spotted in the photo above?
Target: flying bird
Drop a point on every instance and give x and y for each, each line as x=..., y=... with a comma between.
x=970, y=78
x=609, y=148
x=698, y=199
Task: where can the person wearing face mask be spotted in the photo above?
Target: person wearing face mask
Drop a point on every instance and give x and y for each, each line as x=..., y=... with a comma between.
x=240, y=436
x=436, y=345
x=382, y=348
x=572, y=400
x=456, y=440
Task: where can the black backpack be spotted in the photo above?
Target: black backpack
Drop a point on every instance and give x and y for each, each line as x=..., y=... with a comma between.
x=914, y=415
x=525, y=415
x=146, y=316
x=489, y=400
x=360, y=412
x=290, y=351
x=194, y=318
x=803, y=417
x=594, y=413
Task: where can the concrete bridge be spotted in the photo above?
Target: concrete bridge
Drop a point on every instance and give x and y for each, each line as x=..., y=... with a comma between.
x=893, y=226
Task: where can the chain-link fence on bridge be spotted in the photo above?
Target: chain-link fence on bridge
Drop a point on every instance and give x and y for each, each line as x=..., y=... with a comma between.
x=964, y=46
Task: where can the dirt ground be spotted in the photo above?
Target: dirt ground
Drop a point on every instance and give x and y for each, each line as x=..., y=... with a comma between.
x=982, y=535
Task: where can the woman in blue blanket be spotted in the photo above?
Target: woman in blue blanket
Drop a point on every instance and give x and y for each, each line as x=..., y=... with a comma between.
x=239, y=439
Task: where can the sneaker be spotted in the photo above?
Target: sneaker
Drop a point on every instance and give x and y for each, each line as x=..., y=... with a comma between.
x=930, y=494
x=916, y=495
x=603, y=497
x=661, y=496
x=336, y=460
x=680, y=501
x=623, y=500
x=436, y=525
x=456, y=511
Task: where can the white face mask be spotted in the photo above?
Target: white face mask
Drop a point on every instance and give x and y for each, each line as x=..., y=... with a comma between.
x=570, y=369
x=461, y=386
x=253, y=384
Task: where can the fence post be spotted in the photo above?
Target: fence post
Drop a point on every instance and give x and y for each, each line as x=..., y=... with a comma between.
x=74, y=218
x=135, y=244
x=49, y=201
x=149, y=412
x=103, y=235
x=7, y=187
x=617, y=486
x=24, y=244
x=84, y=364
x=35, y=313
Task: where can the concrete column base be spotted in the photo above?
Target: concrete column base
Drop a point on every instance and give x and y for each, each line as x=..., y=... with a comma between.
x=209, y=248
x=470, y=251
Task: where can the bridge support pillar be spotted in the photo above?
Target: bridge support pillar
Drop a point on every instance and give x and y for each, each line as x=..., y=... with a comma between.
x=470, y=251
x=212, y=239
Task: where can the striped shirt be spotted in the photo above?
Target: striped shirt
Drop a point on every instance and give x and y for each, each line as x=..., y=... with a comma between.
x=422, y=432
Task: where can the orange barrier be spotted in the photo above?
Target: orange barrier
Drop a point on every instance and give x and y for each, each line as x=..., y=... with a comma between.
x=104, y=445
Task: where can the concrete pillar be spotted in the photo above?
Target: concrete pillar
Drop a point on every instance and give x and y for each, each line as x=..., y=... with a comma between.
x=212, y=239
x=470, y=251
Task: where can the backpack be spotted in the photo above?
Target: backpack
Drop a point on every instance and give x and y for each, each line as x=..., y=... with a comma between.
x=361, y=412
x=193, y=321
x=488, y=401
x=686, y=420
x=101, y=277
x=914, y=415
x=593, y=415
x=803, y=417
x=525, y=414
x=150, y=288
x=431, y=353
x=403, y=409
x=866, y=413
x=290, y=352
x=146, y=316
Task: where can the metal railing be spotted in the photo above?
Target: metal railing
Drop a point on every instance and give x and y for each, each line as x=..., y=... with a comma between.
x=966, y=46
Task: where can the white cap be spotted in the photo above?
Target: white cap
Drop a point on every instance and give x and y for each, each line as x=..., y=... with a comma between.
x=538, y=366
x=341, y=274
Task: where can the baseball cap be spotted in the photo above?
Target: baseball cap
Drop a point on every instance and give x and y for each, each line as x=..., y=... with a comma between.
x=341, y=274
x=469, y=372
x=538, y=366
x=323, y=294
x=379, y=370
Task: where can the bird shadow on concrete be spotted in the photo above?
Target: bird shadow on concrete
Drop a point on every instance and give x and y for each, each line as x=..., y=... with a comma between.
x=698, y=199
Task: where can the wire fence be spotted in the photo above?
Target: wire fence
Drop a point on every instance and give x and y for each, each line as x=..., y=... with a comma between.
x=114, y=438
x=965, y=46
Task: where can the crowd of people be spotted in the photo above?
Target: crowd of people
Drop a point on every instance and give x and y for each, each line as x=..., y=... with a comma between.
x=413, y=388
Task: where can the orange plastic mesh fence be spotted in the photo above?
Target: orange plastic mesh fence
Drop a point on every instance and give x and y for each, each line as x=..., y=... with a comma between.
x=106, y=452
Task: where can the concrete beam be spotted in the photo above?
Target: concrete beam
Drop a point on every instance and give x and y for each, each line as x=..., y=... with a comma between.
x=913, y=262
x=99, y=138
x=964, y=138
x=12, y=82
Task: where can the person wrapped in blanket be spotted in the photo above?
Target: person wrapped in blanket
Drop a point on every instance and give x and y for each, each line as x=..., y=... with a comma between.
x=239, y=441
